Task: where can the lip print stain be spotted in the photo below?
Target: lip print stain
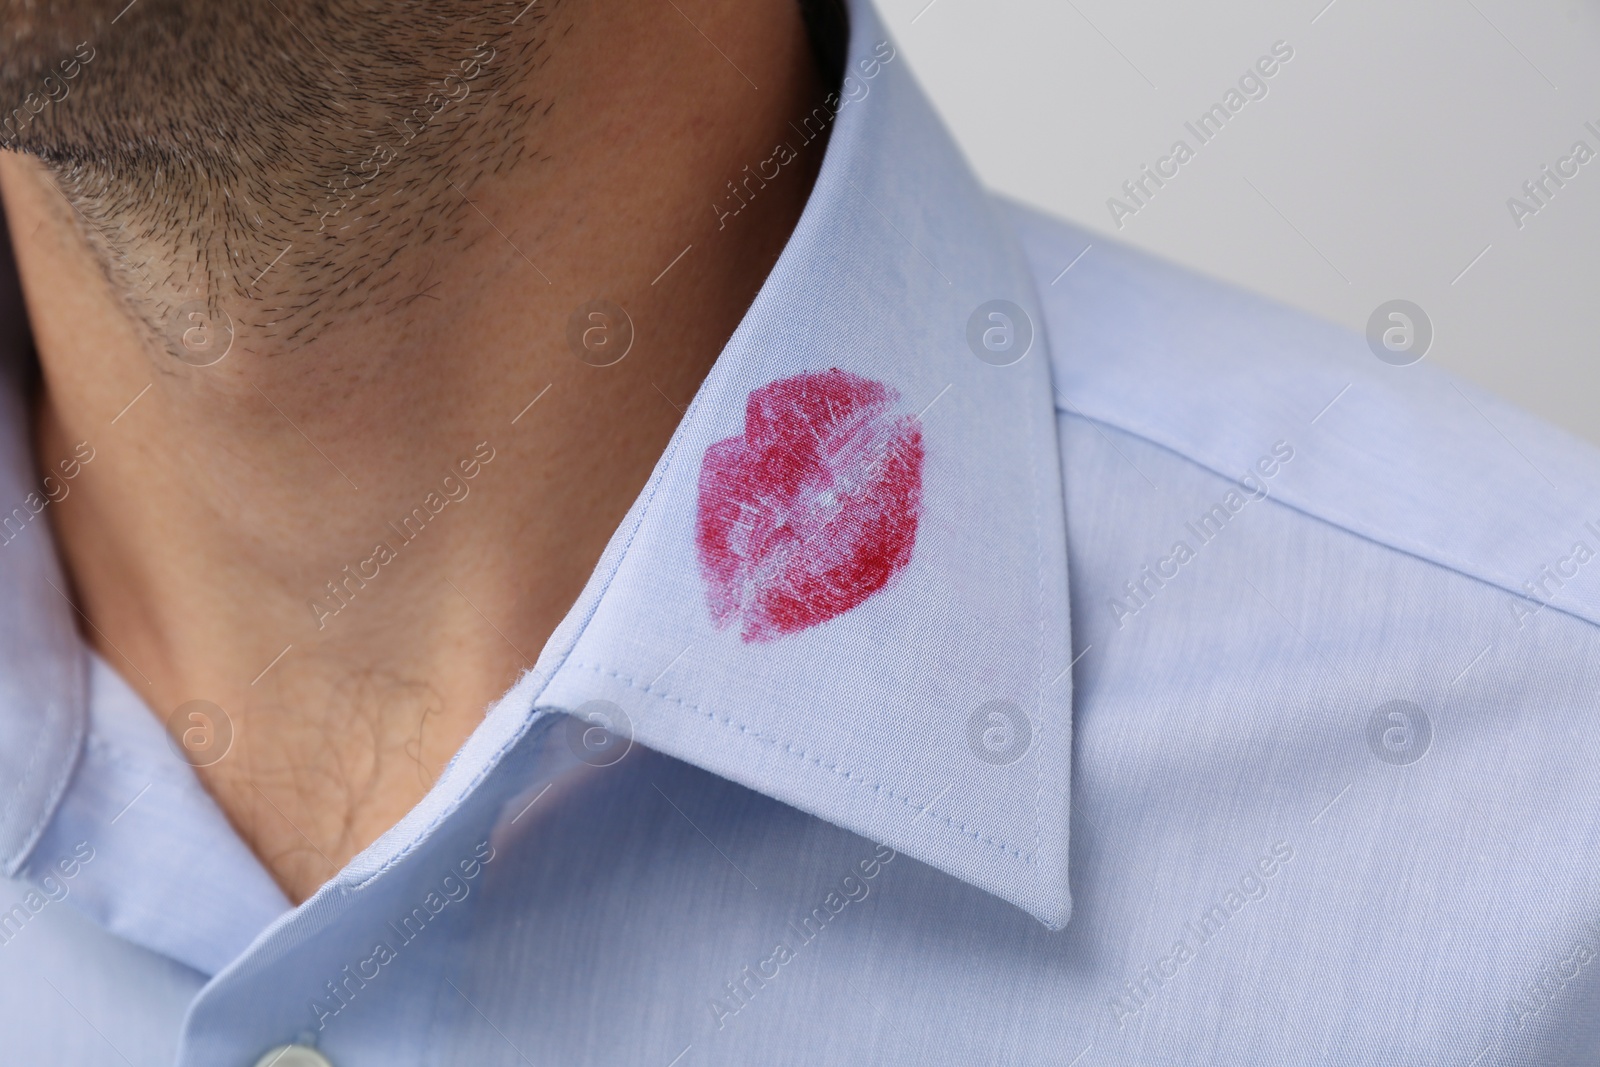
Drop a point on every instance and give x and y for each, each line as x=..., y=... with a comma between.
x=813, y=509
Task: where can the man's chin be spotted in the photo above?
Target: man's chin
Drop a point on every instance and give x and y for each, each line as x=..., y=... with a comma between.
x=339, y=150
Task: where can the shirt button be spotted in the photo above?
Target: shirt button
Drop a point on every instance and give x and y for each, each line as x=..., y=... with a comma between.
x=294, y=1056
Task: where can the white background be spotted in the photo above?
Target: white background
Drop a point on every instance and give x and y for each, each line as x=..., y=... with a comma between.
x=1378, y=166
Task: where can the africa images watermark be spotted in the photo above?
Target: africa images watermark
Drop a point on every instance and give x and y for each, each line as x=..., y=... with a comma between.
x=752, y=980
x=1545, y=586
x=53, y=88
x=1538, y=191
x=1552, y=978
x=53, y=888
x=452, y=489
x=1252, y=85
x=1153, y=577
x=382, y=155
x=55, y=489
x=1253, y=885
x=453, y=888
x=813, y=126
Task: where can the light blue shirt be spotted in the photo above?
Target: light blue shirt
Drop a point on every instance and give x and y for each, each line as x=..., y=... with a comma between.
x=1222, y=695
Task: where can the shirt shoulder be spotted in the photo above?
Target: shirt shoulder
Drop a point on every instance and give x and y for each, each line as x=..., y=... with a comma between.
x=1409, y=456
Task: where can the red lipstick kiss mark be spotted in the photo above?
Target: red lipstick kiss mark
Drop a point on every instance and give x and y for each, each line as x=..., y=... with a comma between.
x=813, y=509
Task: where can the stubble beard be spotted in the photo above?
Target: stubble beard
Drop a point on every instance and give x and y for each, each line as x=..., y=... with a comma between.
x=270, y=163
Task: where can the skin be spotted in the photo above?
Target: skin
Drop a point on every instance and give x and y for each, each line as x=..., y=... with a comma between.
x=388, y=342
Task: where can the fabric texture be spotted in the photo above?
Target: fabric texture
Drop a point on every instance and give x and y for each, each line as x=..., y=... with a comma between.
x=1234, y=704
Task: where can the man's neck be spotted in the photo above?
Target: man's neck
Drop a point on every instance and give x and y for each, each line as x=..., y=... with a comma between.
x=354, y=544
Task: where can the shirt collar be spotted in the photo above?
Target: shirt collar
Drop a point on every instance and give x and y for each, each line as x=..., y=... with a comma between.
x=934, y=716
x=158, y=863
x=42, y=665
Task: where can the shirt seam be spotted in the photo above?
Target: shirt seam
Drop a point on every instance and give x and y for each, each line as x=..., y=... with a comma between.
x=1338, y=520
x=47, y=810
x=1038, y=570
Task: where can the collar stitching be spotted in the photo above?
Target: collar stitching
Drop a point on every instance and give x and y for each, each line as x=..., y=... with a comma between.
x=47, y=811
x=785, y=745
x=1038, y=570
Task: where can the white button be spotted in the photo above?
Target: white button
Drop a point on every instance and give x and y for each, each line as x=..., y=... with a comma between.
x=294, y=1056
